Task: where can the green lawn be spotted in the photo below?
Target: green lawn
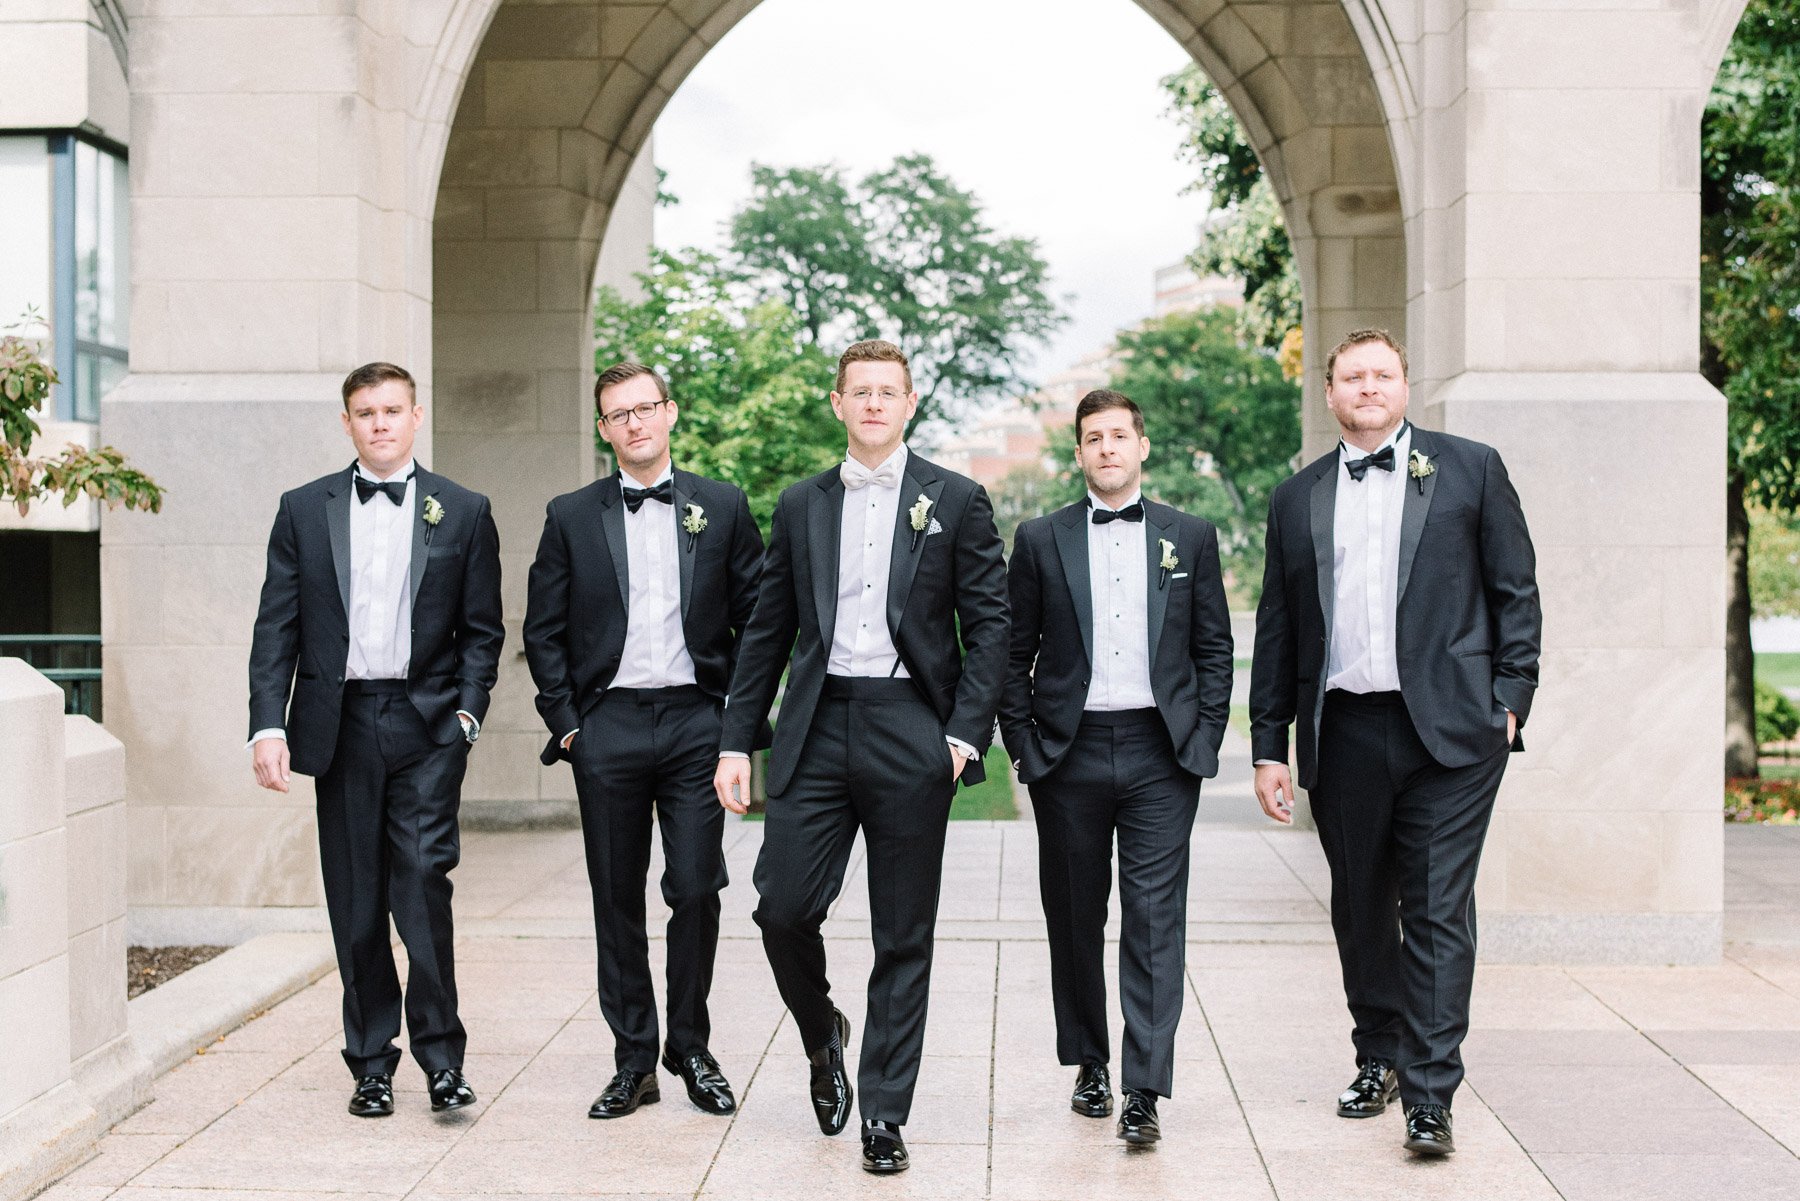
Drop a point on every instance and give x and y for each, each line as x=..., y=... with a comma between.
x=989, y=801
x=1783, y=670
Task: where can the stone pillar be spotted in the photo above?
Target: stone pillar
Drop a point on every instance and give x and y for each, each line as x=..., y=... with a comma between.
x=1555, y=307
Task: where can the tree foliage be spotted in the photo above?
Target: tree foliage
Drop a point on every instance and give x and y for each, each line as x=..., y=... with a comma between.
x=103, y=474
x=1223, y=424
x=903, y=254
x=1774, y=564
x=1245, y=237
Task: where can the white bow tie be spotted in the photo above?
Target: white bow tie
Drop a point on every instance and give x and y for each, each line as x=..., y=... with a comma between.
x=856, y=476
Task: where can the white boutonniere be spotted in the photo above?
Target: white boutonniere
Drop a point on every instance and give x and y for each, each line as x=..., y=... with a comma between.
x=1170, y=561
x=432, y=513
x=693, y=523
x=920, y=517
x=1419, y=465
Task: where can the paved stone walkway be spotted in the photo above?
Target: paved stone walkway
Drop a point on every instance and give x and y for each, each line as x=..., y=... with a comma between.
x=1636, y=1083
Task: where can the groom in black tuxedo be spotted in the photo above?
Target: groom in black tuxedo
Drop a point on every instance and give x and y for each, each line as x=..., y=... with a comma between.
x=643, y=582
x=381, y=614
x=1399, y=630
x=1116, y=701
x=885, y=579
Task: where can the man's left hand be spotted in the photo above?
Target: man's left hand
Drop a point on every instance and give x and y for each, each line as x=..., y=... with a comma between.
x=957, y=762
x=1512, y=726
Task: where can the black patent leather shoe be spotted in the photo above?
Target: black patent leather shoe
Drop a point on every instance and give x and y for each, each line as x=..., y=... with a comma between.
x=1137, y=1120
x=1375, y=1085
x=1093, y=1091
x=627, y=1091
x=830, y=1085
x=1428, y=1130
x=449, y=1090
x=707, y=1087
x=884, y=1152
x=374, y=1096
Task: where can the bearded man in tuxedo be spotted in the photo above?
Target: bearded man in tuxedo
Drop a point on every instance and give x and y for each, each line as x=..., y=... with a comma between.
x=377, y=642
x=643, y=583
x=1399, y=630
x=885, y=579
x=1116, y=701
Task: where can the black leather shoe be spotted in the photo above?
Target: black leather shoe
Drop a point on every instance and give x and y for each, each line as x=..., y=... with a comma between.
x=627, y=1091
x=449, y=1090
x=1428, y=1130
x=706, y=1084
x=1137, y=1121
x=1375, y=1085
x=884, y=1152
x=1093, y=1091
x=830, y=1087
x=374, y=1096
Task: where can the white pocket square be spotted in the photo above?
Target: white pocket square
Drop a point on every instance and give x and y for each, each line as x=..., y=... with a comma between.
x=1180, y=575
x=935, y=528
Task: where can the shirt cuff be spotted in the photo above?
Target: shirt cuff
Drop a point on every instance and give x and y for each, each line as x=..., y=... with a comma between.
x=569, y=737
x=967, y=750
x=474, y=730
x=733, y=755
x=271, y=732
x=1269, y=763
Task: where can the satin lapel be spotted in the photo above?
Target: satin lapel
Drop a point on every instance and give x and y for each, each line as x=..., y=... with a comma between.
x=1072, y=548
x=1324, y=511
x=426, y=484
x=1414, y=509
x=683, y=540
x=612, y=532
x=1155, y=531
x=337, y=521
x=921, y=480
x=824, y=519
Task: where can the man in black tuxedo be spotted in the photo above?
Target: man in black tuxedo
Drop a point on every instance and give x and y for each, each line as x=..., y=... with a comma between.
x=1399, y=627
x=643, y=582
x=889, y=572
x=1116, y=701
x=381, y=612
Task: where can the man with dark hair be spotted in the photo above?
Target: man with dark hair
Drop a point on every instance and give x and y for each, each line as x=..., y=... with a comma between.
x=1399, y=629
x=888, y=571
x=1116, y=701
x=381, y=613
x=642, y=585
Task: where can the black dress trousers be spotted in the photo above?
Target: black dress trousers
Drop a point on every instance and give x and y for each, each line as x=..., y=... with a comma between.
x=875, y=758
x=387, y=843
x=644, y=751
x=1119, y=777
x=1403, y=838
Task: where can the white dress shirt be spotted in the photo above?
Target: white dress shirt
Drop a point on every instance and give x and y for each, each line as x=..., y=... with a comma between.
x=1366, y=571
x=1118, y=578
x=861, y=644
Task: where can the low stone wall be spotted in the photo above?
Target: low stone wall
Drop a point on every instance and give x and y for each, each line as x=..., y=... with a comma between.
x=68, y=1070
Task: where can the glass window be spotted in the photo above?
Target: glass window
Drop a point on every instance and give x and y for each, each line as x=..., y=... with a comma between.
x=93, y=308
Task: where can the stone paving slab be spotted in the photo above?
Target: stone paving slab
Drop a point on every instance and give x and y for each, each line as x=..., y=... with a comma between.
x=1584, y=1083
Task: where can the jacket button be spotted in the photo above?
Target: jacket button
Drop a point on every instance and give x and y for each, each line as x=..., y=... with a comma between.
x=340, y=679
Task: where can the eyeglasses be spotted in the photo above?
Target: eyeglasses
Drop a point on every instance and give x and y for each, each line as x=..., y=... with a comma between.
x=643, y=412
x=888, y=395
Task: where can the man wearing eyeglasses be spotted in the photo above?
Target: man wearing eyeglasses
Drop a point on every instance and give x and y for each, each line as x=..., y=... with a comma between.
x=642, y=585
x=885, y=580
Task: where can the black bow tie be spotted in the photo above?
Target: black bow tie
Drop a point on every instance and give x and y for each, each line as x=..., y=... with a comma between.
x=394, y=490
x=1131, y=512
x=635, y=497
x=1383, y=458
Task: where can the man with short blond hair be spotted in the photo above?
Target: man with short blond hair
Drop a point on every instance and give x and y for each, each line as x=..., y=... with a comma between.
x=1398, y=630
x=886, y=582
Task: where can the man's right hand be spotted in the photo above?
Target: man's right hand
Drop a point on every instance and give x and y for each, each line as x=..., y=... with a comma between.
x=1271, y=779
x=732, y=783
x=271, y=757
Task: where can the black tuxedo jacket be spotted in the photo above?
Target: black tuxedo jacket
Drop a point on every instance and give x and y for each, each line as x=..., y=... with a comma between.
x=1053, y=638
x=579, y=599
x=302, y=637
x=1468, y=623
x=942, y=586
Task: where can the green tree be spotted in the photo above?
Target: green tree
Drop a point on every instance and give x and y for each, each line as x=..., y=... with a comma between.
x=1750, y=309
x=1245, y=237
x=75, y=471
x=903, y=254
x=751, y=391
x=1223, y=423
x=1774, y=564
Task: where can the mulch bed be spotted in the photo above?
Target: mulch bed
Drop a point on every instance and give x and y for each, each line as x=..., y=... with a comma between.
x=147, y=967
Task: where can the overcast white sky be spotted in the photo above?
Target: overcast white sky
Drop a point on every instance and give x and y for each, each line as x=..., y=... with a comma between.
x=1049, y=110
